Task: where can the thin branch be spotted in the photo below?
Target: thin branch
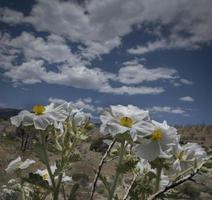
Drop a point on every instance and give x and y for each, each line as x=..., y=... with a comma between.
x=130, y=187
x=179, y=182
x=100, y=167
x=109, y=160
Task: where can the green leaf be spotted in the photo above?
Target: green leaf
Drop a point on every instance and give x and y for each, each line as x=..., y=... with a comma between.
x=151, y=175
x=105, y=182
x=40, y=152
x=124, y=137
x=74, y=157
x=128, y=164
x=208, y=164
x=82, y=137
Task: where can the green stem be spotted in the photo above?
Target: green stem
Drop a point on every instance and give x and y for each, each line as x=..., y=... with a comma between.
x=158, y=177
x=47, y=160
x=57, y=189
x=64, y=193
x=114, y=184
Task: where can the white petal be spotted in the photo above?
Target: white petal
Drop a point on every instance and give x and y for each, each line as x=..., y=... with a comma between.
x=26, y=163
x=18, y=119
x=148, y=150
x=13, y=165
x=41, y=122
x=66, y=178
x=176, y=165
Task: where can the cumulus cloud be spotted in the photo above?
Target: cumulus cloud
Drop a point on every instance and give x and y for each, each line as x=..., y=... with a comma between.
x=33, y=71
x=54, y=49
x=98, y=23
x=29, y=72
x=187, y=98
x=186, y=82
x=95, y=28
x=167, y=109
x=133, y=90
x=136, y=73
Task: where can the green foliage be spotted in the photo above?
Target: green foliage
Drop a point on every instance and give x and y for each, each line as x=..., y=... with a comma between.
x=141, y=187
x=129, y=163
x=124, y=137
x=105, y=182
x=40, y=152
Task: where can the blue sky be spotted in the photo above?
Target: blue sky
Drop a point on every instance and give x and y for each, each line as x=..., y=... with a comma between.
x=153, y=54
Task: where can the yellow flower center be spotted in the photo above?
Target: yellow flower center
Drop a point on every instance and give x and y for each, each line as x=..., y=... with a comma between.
x=126, y=121
x=38, y=109
x=45, y=176
x=157, y=135
x=181, y=156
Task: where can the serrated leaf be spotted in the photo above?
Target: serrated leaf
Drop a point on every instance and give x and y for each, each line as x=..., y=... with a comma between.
x=151, y=175
x=40, y=152
x=105, y=182
x=128, y=165
x=74, y=157
x=124, y=137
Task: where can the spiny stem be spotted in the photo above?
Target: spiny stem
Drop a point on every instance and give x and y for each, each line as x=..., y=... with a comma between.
x=130, y=187
x=178, y=182
x=100, y=167
x=114, y=184
x=158, y=176
x=47, y=160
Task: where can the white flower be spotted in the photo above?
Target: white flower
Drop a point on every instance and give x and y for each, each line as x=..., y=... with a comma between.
x=79, y=117
x=187, y=156
x=143, y=166
x=119, y=119
x=42, y=116
x=158, y=143
x=18, y=164
x=164, y=180
x=45, y=175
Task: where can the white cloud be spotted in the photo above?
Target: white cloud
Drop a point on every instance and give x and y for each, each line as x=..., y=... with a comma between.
x=28, y=73
x=33, y=71
x=187, y=98
x=137, y=73
x=167, y=109
x=149, y=47
x=11, y=16
x=54, y=49
x=98, y=27
x=80, y=77
x=98, y=23
x=133, y=90
x=186, y=82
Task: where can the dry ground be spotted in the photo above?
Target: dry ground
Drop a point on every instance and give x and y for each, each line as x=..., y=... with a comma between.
x=83, y=171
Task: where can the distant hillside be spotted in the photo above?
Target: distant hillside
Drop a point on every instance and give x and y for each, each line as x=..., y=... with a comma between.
x=201, y=134
x=6, y=113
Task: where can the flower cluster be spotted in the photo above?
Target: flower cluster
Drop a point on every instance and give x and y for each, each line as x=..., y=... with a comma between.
x=65, y=127
x=149, y=149
x=157, y=145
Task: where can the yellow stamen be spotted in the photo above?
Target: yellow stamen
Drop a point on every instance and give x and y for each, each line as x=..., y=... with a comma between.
x=38, y=109
x=181, y=156
x=45, y=176
x=126, y=121
x=157, y=135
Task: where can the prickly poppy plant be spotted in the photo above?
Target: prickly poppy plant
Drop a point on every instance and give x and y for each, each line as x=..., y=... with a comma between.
x=150, y=160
